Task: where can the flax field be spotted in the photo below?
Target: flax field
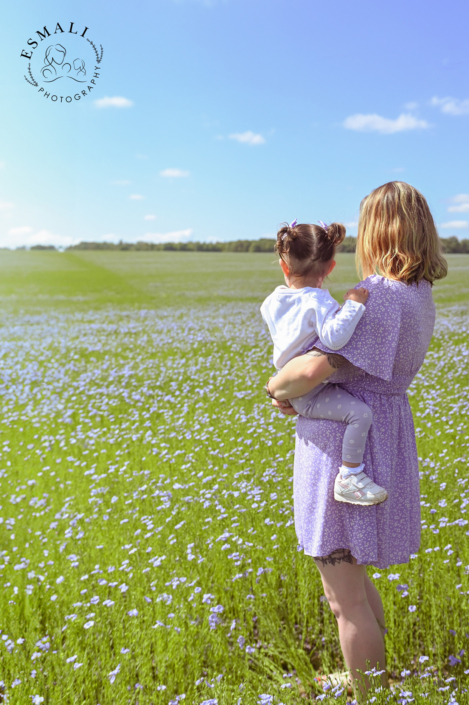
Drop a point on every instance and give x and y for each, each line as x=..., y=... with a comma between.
x=148, y=552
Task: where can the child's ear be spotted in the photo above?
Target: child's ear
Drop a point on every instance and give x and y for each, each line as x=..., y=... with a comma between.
x=331, y=266
x=284, y=267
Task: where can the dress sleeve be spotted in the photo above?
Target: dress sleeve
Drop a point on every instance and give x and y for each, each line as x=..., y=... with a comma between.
x=372, y=347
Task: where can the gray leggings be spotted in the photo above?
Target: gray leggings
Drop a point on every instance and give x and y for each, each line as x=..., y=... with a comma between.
x=331, y=402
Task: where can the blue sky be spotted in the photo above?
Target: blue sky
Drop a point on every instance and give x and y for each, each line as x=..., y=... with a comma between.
x=219, y=119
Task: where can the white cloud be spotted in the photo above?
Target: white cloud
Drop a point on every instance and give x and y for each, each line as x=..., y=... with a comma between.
x=455, y=225
x=174, y=236
x=123, y=182
x=174, y=173
x=352, y=224
x=386, y=126
x=114, y=102
x=22, y=230
x=411, y=106
x=398, y=169
x=461, y=203
x=150, y=217
x=45, y=237
x=141, y=156
x=462, y=208
x=110, y=237
x=27, y=237
x=136, y=197
x=451, y=106
x=6, y=205
x=247, y=138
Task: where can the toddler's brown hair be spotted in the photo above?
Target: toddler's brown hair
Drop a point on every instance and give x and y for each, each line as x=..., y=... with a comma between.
x=308, y=248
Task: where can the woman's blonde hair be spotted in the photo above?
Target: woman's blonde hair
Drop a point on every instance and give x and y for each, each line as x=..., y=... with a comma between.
x=397, y=236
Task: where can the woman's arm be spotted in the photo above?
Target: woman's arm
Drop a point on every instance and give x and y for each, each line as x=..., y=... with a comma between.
x=302, y=374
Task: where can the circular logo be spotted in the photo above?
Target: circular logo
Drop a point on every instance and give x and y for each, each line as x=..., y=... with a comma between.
x=64, y=64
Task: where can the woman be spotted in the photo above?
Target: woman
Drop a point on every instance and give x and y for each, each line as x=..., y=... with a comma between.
x=399, y=253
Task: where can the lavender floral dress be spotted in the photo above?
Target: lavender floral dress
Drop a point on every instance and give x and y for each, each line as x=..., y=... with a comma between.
x=384, y=355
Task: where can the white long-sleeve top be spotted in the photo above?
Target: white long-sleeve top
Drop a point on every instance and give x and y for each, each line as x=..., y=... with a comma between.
x=296, y=318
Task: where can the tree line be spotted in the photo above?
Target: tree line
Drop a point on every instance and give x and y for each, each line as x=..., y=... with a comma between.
x=263, y=245
x=451, y=245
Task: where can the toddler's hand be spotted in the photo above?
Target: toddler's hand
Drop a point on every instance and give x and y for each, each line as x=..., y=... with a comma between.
x=359, y=295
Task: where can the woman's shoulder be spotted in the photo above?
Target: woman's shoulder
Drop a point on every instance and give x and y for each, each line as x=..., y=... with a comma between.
x=395, y=290
x=396, y=308
x=378, y=281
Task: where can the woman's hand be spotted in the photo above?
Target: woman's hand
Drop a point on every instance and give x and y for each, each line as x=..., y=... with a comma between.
x=300, y=376
x=285, y=407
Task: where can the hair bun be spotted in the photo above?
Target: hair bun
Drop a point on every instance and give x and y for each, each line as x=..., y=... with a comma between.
x=285, y=236
x=336, y=233
x=293, y=233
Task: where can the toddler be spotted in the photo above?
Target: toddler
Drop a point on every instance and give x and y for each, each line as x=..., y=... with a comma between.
x=301, y=312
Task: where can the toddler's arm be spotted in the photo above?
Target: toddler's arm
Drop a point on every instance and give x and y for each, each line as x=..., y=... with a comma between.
x=337, y=325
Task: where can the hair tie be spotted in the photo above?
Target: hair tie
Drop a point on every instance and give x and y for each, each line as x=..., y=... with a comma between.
x=292, y=225
x=323, y=225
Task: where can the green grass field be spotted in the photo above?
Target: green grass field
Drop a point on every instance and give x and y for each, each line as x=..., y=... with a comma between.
x=148, y=550
x=82, y=280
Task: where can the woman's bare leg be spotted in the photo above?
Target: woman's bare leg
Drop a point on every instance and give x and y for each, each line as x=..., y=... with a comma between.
x=376, y=604
x=360, y=636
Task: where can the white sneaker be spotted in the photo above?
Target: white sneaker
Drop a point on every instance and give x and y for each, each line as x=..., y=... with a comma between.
x=358, y=489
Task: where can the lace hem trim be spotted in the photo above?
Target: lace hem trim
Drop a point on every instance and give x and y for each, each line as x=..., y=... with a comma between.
x=340, y=555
